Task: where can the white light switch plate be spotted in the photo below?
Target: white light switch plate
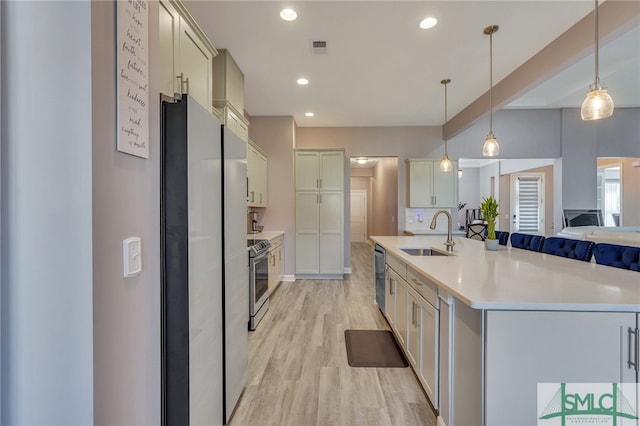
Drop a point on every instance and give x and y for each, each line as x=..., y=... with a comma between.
x=132, y=256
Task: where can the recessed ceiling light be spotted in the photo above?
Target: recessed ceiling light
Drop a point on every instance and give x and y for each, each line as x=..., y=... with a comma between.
x=427, y=23
x=362, y=161
x=302, y=81
x=288, y=14
x=309, y=114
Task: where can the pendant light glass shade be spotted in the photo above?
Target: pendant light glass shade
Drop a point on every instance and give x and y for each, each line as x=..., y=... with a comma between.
x=491, y=148
x=445, y=163
x=598, y=103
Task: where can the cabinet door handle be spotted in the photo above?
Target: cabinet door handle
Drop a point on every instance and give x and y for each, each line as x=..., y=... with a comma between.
x=186, y=82
x=633, y=343
x=260, y=198
x=320, y=183
x=320, y=195
x=180, y=78
x=253, y=196
x=435, y=200
x=392, y=285
x=418, y=282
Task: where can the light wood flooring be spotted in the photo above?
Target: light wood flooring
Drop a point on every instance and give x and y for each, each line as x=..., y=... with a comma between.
x=298, y=370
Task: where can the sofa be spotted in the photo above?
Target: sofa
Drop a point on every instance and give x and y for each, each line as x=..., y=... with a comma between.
x=620, y=235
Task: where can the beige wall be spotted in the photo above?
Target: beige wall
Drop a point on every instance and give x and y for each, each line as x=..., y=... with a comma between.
x=630, y=189
x=276, y=137
x=364, y=183
x=126, y=202
x=385, y=200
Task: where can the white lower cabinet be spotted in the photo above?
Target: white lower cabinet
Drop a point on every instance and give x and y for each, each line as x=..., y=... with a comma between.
x=429, y=324
x=401, y=312
x=414, y=337
x=276, y=262
x=390, y=295
x=411, y=307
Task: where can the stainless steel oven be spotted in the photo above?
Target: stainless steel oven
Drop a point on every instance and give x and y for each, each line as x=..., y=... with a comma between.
x=258, y=280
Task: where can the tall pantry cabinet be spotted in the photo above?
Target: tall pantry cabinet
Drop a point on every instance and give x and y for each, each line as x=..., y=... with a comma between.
x=319, y=183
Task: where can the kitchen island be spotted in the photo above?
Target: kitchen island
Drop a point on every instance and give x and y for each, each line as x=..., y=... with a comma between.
x=504, y=321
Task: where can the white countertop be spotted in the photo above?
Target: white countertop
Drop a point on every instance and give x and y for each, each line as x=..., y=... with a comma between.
x=516, y=279
x=265, y=235
x=433, y=232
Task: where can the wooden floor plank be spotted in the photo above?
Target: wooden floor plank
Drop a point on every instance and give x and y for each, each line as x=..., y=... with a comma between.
x=298, y=370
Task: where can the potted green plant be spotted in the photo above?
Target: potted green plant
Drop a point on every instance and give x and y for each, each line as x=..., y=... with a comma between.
x=489, y=209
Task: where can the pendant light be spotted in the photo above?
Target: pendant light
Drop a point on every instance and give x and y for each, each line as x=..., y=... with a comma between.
x=491, y=147
x=445, y=163
x=598, y=103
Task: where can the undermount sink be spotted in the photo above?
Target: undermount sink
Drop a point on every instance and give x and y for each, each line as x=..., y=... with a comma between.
x=423, y=252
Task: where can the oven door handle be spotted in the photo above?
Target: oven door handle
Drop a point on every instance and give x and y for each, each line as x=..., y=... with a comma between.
x=260, y=257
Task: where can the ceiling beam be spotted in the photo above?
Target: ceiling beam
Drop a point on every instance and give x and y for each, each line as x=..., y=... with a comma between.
x=616, y=17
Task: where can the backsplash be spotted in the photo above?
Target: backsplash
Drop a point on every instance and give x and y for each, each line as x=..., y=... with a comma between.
x=418, y=219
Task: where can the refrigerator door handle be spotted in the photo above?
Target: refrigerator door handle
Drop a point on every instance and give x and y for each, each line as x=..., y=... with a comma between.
x=180, y=78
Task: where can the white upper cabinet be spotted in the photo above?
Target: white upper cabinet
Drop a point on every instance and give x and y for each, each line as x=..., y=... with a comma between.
x=319, y=170
x=228, y=93
x=186, y=56
x=169, y=49
x=257, y=176
x=429, y=187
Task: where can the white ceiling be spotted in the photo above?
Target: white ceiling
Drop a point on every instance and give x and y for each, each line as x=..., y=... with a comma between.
x=380, y=68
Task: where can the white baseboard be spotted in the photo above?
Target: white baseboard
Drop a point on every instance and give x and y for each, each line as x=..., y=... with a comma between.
x=319, y=277
x=441, y=422
x=288, y=278
x=348, y=270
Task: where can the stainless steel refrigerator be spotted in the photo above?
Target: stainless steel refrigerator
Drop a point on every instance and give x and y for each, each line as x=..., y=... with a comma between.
x=202, y=267
x=235, y=268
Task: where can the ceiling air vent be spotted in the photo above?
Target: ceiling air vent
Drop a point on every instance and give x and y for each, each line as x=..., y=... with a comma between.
x=318, y=47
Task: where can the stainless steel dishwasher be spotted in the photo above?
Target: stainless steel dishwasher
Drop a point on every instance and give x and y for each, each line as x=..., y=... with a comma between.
x=379, y=260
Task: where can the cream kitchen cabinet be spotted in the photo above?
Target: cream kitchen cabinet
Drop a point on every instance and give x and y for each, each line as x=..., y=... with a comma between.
x=412, y=309
x=429, y=187
x=319, y=177
x=228, y=93
x=257, y=176
x=276, y=262
x=186, y=56
x=319, y=170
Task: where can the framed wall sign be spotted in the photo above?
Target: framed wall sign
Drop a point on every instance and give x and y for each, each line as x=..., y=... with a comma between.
x=133, y=77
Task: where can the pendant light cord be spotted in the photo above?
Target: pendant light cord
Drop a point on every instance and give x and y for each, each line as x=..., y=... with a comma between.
x=597, y=82
x=491, y=81
x=445, y=120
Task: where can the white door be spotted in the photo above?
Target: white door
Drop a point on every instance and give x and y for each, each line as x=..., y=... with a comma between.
x=358, y=215
x=527, y=203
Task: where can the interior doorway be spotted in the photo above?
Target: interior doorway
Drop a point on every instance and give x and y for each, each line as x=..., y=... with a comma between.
x=378, y=178
x=527, y=203
x=609, y=195
x=358, y=215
